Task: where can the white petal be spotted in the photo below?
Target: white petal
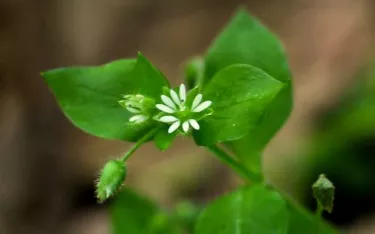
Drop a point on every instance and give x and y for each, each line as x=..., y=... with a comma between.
x=194, y=124
x=182, y=93
x=168, y=101
x=202, y=106
x=185, y=126
x=168, y=119
x=165, y=108
x=175, y=97
x=174, y=127
x=137, y=118
x=133, y=110
x=196, y=101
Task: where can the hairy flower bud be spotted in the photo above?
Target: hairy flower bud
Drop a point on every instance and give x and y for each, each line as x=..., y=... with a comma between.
x=324, y=193
x=111, y=179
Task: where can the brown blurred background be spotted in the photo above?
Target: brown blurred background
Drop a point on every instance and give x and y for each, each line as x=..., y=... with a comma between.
x=47, y=166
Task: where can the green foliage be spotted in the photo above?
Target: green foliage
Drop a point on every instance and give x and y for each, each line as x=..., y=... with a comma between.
x=302, y=221
x=261, y=210
x=240, y=94
x=89, y=95
x=131, y=213
x=246, y=41
x=163, y=139
x=252, y=209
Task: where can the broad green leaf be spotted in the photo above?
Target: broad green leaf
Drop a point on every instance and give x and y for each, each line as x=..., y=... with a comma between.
x=250, y=210
x=246, y=41
x=239, y=94
x=89, y=95
x=131, y=213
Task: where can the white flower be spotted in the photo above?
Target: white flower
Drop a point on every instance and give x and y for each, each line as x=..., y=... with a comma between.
x=175, y=105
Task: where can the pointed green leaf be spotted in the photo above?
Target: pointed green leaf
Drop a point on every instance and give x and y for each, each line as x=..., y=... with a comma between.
x=239, y=94
x=248, y=210
x=246, y=41
x=89, y=95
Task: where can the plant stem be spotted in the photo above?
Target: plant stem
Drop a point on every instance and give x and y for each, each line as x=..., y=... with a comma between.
x=234, y=164
x=140, y=142
x=319, y=210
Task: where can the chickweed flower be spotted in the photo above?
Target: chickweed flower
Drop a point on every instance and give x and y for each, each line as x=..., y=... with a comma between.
x=178, y=114
x=138, y=105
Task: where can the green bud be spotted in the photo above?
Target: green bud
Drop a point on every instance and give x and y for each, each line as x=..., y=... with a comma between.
x=111, y=179
x=194, y=72
x=138, y=104
x=324, y=193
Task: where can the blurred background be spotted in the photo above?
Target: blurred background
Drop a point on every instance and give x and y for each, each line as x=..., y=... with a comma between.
x=47, y=167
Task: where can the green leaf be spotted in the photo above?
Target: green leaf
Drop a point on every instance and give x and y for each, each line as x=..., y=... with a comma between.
x=302, y=221
x=131, y=213
x=246, y=41
x=239, y=95
x=250, y=210
x=163, y=139
x=89, y=95
x=194, y=72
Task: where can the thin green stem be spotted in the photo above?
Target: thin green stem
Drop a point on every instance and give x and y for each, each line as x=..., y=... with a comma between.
x=140, y=142
x=319, y=210
x=234, y=164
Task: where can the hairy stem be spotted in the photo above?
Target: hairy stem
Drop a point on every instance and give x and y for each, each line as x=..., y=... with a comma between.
x=235, y=165
x=140, y=142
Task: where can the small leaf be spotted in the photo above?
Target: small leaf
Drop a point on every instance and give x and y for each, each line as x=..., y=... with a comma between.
x=246, y=41
x=131, y=213
x=89, y=95
x=239, y=94
x=254, y=209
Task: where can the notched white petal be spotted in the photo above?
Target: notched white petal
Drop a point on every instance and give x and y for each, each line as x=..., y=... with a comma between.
x=168, y=119
x=196, y=101
x=185, y=126
x=174, y=127
x=182, y=93
x=165, y=108
x=137, y=118
x=175, y=97
x=202, y=106
x=194, y=124
x=168, y=101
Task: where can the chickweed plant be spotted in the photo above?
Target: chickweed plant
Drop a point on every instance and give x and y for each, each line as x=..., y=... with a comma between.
x=232, y=102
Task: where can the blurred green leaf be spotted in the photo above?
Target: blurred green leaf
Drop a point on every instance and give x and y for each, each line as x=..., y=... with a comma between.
x=89, y=95
x=246, y=41
x=239, y=93
x=302, y=221
x=260, y=210
x=131, y=213
x=249, y=210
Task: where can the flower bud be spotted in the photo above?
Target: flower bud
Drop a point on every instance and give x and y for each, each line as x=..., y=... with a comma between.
x=110, y=180
x=324, y=193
